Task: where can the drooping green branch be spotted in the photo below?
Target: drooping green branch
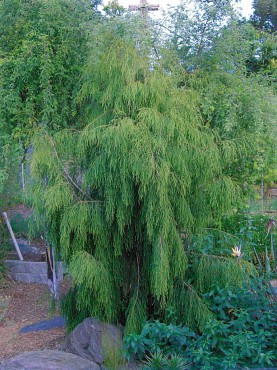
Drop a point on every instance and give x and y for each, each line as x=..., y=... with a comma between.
x=153, y=170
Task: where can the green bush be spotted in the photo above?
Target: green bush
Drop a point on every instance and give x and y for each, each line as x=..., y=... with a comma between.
x=250, y=232
x=158, y=337
x=242, y=333
x=250, y=229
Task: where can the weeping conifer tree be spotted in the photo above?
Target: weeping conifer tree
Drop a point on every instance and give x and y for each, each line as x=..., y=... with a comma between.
x=121, y=191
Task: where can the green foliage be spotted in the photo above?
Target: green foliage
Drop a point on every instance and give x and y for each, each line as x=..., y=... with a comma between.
x=3, y=256
x=228, y=107
x=19, y=225
x=194, y=30
x=137, y=145
x=252, y=233
x=157, y=337
x=241, y=334
x=244, y=333
x=150, y=150
x=158, y=360
x=43, y=47
x=223, y=271
x=113, y=9
x=120, y=191
x=263, y=59
x=237, y=103
x=113, y=353
x=205, y=271
x=265, y=15
x=10, y=180
x=76, y=314
x=249, y=231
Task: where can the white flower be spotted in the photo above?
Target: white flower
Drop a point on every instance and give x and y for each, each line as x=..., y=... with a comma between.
x=237, y=252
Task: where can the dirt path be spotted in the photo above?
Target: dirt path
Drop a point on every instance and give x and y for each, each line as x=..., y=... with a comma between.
x=27, y=304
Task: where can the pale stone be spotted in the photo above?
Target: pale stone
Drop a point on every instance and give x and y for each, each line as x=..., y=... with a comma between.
x=48, y=360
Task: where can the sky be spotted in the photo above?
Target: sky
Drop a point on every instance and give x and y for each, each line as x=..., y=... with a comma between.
x=245, y=5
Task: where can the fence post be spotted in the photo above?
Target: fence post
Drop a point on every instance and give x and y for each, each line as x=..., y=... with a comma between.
x=12, y=235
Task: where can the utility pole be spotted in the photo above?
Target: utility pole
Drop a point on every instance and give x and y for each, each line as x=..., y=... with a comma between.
x=144, y=8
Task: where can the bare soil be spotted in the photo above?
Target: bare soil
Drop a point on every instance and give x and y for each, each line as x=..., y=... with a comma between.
x=30, y=257
x=39, y=256
x=21, y=209
x=24, y=304
x=27, y=304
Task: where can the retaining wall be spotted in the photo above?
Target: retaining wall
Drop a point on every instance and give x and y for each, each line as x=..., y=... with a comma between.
x=31, y=272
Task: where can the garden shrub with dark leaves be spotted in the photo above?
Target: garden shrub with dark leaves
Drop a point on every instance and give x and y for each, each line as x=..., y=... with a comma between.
x=242, y=333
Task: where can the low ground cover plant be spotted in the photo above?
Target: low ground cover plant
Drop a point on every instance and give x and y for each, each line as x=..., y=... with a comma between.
x=241, y=333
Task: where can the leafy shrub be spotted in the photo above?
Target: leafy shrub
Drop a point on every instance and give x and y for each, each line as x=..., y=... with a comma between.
x=158, y=337
x=250, y=229
x=250, y=232
x=241, y=334
x=2, y=268
x=10, y=174
x=69, y=306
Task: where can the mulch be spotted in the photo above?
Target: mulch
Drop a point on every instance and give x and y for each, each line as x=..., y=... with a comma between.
x=24, y=304
x=28, y=304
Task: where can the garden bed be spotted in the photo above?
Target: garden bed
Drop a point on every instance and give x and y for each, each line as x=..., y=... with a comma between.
x=28, y=304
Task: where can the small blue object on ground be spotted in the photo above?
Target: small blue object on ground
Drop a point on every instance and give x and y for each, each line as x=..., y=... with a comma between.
x=56, y=322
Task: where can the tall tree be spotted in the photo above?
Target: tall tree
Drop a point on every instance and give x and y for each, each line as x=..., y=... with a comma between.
x=265, y=15
x=194, y=28
x=236, y=102
x=43, y=47
x=122, y=191
x=264, y=58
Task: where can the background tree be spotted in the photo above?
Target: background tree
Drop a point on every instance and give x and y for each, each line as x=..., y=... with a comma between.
x=113, y=9
x=43, y=47
x=221, y=52
x=263, y=59
x=265, y=15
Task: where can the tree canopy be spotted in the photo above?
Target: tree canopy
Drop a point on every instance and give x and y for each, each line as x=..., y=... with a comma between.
x=43, y=47
x=235, y=67
x=265, y=15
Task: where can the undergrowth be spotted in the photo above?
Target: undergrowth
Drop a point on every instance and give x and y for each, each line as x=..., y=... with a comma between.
x=241, y=333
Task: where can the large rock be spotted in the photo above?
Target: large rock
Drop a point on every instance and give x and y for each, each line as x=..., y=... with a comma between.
x=48, y=360
x=92, y=339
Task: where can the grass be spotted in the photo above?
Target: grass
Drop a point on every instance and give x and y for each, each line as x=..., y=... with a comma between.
x=113, y=353
x=5, y=247
x=4, y=304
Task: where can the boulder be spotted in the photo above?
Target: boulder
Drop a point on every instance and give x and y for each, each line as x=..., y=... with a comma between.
x=92, y=339
x=48, y=360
